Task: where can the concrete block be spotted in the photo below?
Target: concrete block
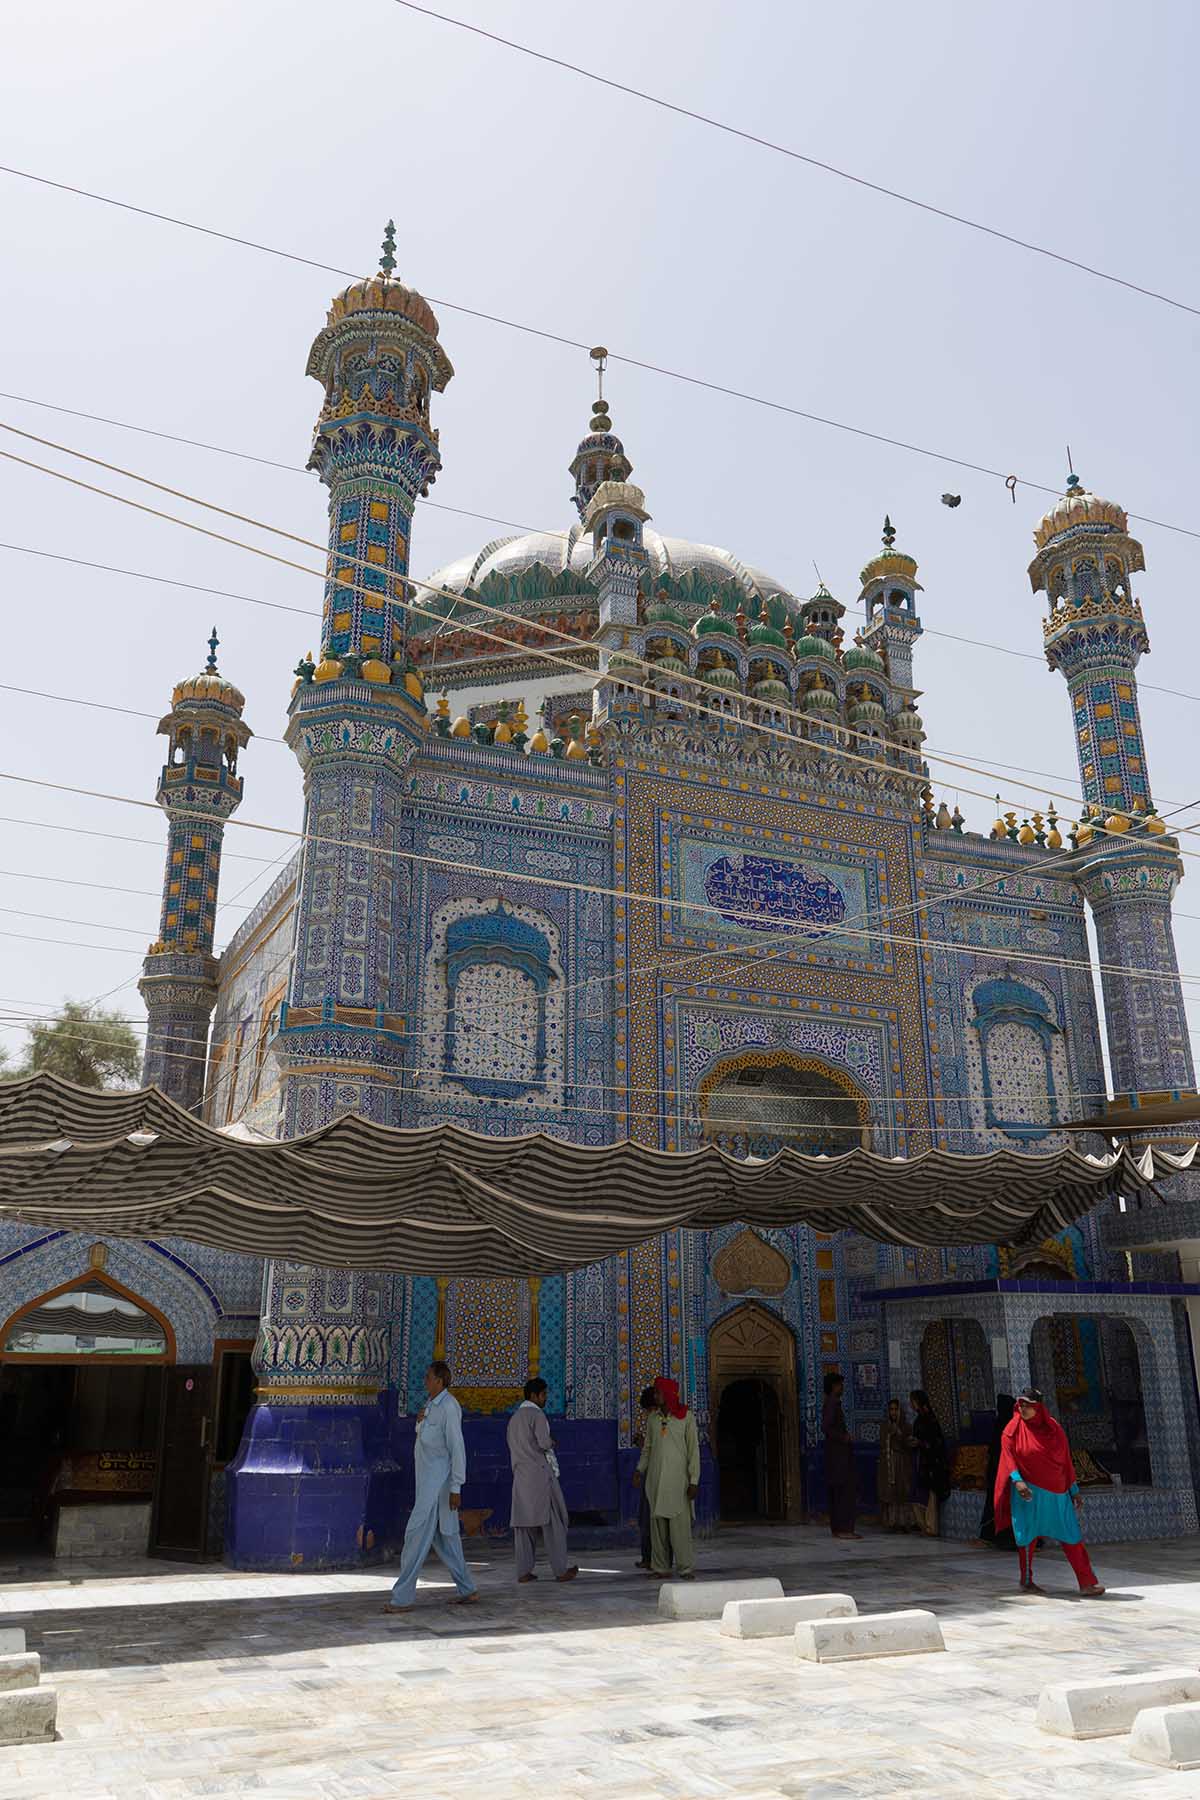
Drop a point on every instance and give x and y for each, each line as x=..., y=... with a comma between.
x=779, y=1618
x=12, y=1640
x=20, y=1671
x=1108, y=1706
x=868, y=1634
x=708, y=1599
x=27, y=1715
x=1168, y=1736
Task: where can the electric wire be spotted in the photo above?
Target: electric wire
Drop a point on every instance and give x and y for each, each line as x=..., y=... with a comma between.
x=628, y=896
x=800, y=156
x=555, y=337
x=412, y=607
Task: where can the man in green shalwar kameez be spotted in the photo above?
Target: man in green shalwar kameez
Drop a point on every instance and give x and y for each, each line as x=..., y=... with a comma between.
x=670, y=1465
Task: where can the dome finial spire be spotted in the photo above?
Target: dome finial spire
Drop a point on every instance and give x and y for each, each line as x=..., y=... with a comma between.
x=1072, y=478
x=213, y=642
x=387, y=262
x=600, y=420
x=889, y=532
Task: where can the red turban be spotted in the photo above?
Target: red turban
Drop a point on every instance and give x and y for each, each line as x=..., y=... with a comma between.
x=668, y=1392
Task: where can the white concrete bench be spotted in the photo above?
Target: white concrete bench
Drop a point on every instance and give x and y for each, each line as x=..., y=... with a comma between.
x=27, y=1715
x=1168, y=1736
x=12, y=1640
x=22, y=1671
x=868, y=1634
x=779, y=1618
x=1109, y=1705
x=708, y=1599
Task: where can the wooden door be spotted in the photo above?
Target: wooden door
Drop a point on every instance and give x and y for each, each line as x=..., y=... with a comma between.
x=179, y=1521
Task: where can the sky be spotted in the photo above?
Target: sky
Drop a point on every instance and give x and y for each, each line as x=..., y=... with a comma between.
x=523, y=191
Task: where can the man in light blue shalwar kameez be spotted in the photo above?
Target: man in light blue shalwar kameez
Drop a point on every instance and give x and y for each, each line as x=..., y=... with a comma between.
x=440, y=1460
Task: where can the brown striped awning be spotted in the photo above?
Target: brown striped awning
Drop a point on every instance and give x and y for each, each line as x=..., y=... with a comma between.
x=446, y=1201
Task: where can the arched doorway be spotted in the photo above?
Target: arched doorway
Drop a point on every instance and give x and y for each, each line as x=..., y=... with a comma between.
x=750, y=1451
x=758, y=1101
x=755, y=1415
x=82, y=1371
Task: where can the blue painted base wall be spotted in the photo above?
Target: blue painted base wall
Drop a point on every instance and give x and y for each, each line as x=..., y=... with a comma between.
x=330, y=1487
x=314, y=1487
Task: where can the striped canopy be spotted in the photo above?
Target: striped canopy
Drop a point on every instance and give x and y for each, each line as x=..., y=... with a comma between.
x=446, y=1201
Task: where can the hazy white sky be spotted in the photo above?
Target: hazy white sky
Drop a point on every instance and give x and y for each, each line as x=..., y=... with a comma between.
x=523, y=191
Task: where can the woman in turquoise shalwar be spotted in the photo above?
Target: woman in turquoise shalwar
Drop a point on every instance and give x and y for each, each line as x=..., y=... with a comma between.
x=1036, y=1487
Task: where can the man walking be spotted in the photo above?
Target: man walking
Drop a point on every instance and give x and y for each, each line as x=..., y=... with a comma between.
x=537, y=1498
x=670, y=1465
x=440, y=1461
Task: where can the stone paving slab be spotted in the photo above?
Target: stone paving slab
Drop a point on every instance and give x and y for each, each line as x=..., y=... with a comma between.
x=173, y=1684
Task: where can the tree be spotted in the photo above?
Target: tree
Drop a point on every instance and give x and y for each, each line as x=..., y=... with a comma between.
x=83, y=1044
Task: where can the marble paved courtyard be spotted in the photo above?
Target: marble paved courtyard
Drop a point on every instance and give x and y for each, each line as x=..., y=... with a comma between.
x=179, y=1682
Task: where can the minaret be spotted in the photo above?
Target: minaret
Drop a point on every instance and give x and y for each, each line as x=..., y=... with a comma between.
x=198, y=788
x=601, y=455
x=889, y=598
x=357, y=714
x=1125, y=864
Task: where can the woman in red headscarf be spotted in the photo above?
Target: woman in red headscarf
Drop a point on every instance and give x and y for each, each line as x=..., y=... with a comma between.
x=670, y=1462
x=1036, y=1488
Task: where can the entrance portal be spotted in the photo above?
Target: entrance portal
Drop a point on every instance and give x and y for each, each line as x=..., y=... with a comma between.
x=755, y=1415
x=750, y=1451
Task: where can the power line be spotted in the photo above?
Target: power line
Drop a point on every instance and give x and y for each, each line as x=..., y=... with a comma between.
x=658, y=901
x=555, y=657
x=888, y=1103
x=813, y=162
x=555, y=337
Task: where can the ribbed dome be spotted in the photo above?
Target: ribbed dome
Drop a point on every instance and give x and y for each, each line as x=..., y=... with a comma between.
x=815, y=646
x=377, y=294
x=209, y=686
x=861, y=656
x=1078, y=506
x=568, y=554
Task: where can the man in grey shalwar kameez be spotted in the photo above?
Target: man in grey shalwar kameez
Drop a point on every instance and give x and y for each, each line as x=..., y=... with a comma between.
x=537, y=1498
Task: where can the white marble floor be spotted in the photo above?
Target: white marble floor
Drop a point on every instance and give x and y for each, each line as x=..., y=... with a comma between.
x=176, y=1682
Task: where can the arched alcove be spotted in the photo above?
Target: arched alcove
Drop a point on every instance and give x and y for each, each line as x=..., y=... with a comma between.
x=758, y=1101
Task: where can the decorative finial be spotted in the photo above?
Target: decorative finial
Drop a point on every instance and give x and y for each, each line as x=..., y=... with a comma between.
x=600, y=415
x=387, y=262
x=211, y=664
x=599, y=356
x=889, y=533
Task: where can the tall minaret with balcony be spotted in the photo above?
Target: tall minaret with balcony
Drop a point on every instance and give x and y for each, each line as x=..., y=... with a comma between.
x=1126, y=865
x=198, y=789
x=359, y=711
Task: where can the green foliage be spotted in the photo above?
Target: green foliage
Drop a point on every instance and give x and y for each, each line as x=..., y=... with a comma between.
x=83, y=1044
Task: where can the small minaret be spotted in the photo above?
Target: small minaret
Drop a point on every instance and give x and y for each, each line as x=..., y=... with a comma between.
x=889, y=598
x=601, y=455
x=198, y=789
x=1126, y=865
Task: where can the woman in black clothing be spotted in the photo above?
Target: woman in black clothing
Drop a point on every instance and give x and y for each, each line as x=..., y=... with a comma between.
x=999, y=1540
x=933, y=1466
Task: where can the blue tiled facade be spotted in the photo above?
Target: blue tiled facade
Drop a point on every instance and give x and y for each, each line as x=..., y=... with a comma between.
x=562, y=899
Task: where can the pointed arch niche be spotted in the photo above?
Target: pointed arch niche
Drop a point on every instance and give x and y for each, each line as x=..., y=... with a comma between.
x=758, y=1101
x=92, y=1318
